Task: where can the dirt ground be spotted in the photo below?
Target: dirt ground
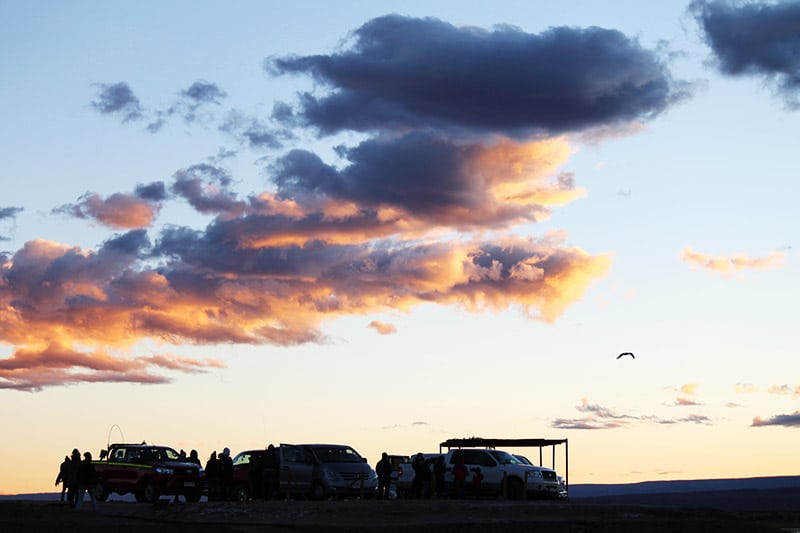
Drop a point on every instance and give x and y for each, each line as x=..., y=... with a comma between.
x=383, y=516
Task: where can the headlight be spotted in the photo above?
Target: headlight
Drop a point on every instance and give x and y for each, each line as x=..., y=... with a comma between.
x=164, y=470
x=534, y=474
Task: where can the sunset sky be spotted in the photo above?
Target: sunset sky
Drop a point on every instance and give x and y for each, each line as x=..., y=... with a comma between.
x=387, y=224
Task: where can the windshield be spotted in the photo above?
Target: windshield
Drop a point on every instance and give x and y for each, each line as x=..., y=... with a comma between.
x=336, y=454
x=505, y=458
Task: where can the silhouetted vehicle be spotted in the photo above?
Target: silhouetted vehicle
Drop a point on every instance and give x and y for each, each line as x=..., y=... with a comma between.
x=297, y=471
x=341, y=471
x=313, y=471
x=147, y=471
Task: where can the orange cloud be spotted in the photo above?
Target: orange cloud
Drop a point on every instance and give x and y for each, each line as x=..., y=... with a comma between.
x=784, y=390
x=727, y=264
x=119, y=211
x=383, y=328
x=745, y=388
x=689, y=388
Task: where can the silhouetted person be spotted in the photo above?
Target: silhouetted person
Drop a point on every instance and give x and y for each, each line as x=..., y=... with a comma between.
x=225, y=474
x=384, y=470
x=63, y=472
x=193, y=458
x=87, y=480
x=256, y=476
x=272, y=470
x=439, y=468
x=212, y=476
x=477, y=479
x=422, y=475
x=182, y=456
x=460, y=473
x=71, y=478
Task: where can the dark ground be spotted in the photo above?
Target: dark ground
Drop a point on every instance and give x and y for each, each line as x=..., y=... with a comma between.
x=482, y=516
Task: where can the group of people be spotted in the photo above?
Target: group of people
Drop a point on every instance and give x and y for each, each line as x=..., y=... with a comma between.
x=219, y=475
x=76, y=478
x=429, y=477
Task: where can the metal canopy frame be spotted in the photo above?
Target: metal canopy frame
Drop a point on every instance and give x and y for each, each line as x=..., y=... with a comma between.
x=480, y=442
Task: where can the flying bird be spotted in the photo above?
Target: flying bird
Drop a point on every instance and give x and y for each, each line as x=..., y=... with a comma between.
x=626, y=353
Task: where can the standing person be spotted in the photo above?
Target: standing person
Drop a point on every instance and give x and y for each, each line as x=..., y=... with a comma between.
x=193, y=457
x=422, y=475
x=255, y=474
x=212, y=476
x=439, y=468
x=225, y=474
x=384, y=470
x=71, y=479
x=63, y=472
x=477, y=479
x=460, y=473
x=87, y=480
x=272, y=470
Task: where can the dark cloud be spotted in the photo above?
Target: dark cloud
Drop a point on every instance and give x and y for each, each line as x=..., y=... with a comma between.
x=252, y=131
x=203, y=92
x=153, y=192
x=792, y=420
x=10, y=214
x=755, y=39
x=118, y=99
x=405, y=73
x=467, y=185
x=206, y=188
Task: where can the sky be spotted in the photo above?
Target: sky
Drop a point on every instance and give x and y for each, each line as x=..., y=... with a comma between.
x=394, y=223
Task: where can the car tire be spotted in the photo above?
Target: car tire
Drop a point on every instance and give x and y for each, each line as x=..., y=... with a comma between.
x=514, y=489
x=147, y=493
x=241, y=493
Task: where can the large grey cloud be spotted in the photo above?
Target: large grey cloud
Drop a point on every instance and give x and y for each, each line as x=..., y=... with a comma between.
x=755, y=39
x=118, y=99
x=405, y=72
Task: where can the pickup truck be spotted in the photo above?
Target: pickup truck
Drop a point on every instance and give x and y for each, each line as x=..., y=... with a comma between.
x=147, y=471
x=503, y=474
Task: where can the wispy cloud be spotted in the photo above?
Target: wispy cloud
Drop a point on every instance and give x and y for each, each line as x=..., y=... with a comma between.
x=745, y=388
x=118, y=211
x=600, y=417
x=383, y=328
x=755, y=39
x=8, y=214
x=784, y=390
x=727, y=264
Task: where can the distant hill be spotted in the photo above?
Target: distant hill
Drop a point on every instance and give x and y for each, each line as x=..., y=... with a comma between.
x=694, y=485
x=767, y=494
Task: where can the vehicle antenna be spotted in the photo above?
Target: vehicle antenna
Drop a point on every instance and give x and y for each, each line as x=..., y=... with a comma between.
x=108, y=443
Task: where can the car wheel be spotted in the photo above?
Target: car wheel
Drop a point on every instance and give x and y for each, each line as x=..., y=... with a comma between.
x=317, y=491
x=240, y=493
x=514, y=489
x=147, y=493
x=100, y=491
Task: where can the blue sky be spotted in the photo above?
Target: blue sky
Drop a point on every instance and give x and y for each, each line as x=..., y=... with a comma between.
x=446, y=242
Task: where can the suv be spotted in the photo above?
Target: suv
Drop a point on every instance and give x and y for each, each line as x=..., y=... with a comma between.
x=147, y=471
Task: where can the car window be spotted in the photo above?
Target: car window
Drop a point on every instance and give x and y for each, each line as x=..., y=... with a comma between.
x=505, y=458
x=472, y=457
x=337, y=454
x=169, y=454
x=296, y=455
x=241, y=459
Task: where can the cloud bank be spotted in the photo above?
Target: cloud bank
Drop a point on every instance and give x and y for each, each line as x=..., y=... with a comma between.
x=464, y=136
